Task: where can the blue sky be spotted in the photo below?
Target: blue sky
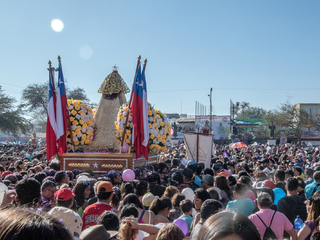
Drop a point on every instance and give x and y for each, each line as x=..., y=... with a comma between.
x=255, y=51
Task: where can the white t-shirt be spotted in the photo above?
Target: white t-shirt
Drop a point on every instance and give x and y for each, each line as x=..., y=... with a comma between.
x=184, y=162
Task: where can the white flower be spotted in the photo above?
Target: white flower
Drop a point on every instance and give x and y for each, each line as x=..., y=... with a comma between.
x=83, y=117
x=83, y=129
x=71, y=107
x=79, y=135
x=118, y=119
x=74, y=127
x=78, y=116
x=130, y=119
x=131, y=125
x=150, y=119
x=75, y=139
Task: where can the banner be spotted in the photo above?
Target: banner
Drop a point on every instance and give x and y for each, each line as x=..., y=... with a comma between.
x=206, y=148
x=220, y=125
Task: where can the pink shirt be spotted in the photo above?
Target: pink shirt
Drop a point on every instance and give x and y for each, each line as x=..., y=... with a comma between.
x=279, y=224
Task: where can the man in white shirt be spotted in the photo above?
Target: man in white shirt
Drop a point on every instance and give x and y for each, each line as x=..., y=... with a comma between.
x=183, y=160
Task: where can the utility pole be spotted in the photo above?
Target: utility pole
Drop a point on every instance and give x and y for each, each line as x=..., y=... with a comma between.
x=210, y=96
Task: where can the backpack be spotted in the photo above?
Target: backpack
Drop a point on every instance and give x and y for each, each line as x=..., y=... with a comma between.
x=268, y=234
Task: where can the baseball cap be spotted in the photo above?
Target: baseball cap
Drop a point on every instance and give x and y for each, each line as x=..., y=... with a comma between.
x=297, y=164
x=63, y=195
x=216, y=166
x=191, y=162
x=223, y=173
x=267, y=183
x=6, y=173
x=104, y=186
x=265, y=197
x=148, y=199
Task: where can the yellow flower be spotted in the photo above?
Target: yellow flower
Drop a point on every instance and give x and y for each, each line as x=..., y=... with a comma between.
x=85, y=125
x=161, y=124
x=68, y=133
x=82, y=112
x=88, y=136
x=169, y=140
x=126, y=108
x=118, y=141
x=164, y=136
x=128, y=124
x=150, y=125
x=149, y=112
x=77, y=107
x=159, y=137
x=81, y=121
x=71, y=119
x=151, y=146
x=157, y=147
x=115, y=123
x=163, y=141
x=152, y=136
x=73, y=134
x=158, y=116
x=77, y=131
x=82, y=142
x=73, y=112
x=117, y=135
x=69, y=140
x=75, y=122
x=83, y=136
x=87, y=142
x=128, y=132
x=122, y=117
x=76, y=143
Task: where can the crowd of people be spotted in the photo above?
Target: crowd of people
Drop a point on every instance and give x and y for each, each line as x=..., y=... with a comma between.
x=250, y=193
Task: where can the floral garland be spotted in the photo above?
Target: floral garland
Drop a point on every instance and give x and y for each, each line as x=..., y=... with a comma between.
x=159, y=128
x=81, y=119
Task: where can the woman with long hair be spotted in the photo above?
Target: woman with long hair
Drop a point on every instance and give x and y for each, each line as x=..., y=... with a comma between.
x=82, y=191
x=161, y=208
x=228, y=226
x=226, y=193
x=313, y=219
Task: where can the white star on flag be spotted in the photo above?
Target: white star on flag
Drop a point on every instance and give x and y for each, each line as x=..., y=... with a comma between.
x=95, y=165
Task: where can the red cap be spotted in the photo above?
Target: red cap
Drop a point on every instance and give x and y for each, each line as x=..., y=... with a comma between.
x=270, y=157
x=63, y=195
x=223, y=173
x=269, y=184
x=6, y=173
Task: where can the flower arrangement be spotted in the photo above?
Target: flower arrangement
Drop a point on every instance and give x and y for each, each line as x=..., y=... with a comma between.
x=81, y=119
x=159, y=128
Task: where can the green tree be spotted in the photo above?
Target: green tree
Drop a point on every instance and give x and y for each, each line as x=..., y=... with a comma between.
x=289, y=116
x=11, y=118
x=35, y=99
x=252, y=112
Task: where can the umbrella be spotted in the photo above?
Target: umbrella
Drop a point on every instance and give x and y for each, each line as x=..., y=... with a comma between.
x=238, y=145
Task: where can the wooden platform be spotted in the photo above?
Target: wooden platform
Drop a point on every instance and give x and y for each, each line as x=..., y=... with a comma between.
x=102, y=162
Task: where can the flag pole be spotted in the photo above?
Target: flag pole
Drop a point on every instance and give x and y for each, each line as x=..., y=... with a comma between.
x=129, y=105
x=53, y=93
x=66, y=109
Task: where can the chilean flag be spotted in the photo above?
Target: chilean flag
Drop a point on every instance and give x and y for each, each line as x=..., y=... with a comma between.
x=52, y=129
x=140, y=115
x=62, y=114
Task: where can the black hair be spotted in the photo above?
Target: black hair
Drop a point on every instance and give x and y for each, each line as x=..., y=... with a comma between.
x=208, y=171
x=241, y=189
x=158, y=205
x=126, y=189
x=177, y=176
x=232, y=179
x=162, y=166
x=78, y=190
x=65, y=204
x=292, y=184
x=129, y=210
x=28, y=191
x=47, y=184
x=153, y=177
x=193, y=168
x=109, y=220
x=243, y=173
x=175, y=162
x=209, y=207
x=290, y=172
x=104, y=195
x=245, y=180
x=224, y=224
x=142, y=188
x=187, y=172
x=198, y=169
x=59, y=176
x=55, y=166
x=202, y=194
x=281, y=175
x=40, y=176
x=298, y=169
x=132, y=199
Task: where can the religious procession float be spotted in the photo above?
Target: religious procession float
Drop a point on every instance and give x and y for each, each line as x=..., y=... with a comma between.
x=117, y=135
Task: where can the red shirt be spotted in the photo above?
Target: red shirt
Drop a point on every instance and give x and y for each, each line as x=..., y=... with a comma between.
x=92, y=212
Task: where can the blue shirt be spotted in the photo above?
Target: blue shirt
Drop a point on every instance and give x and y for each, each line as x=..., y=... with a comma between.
x=188, y=220
x=244, y=206
x=309, y=189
